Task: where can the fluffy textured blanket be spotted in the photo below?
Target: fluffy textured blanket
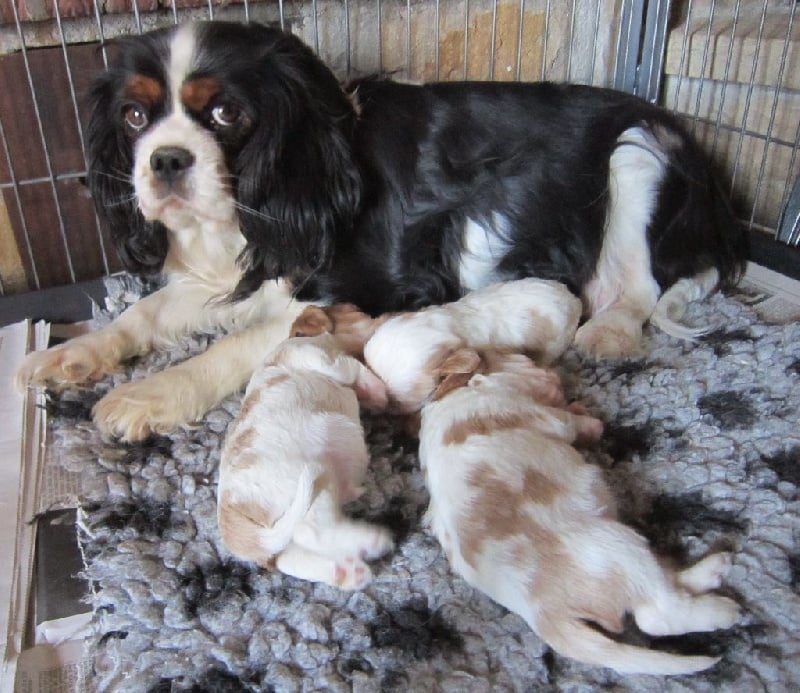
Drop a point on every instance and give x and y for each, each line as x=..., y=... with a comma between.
x=702, y=448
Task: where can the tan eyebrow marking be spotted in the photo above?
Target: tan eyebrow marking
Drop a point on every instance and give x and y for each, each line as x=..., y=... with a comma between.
x=145, y=90
x=197, y=93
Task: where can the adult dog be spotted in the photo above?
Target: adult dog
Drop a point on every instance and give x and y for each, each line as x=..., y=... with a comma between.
x=229, y=158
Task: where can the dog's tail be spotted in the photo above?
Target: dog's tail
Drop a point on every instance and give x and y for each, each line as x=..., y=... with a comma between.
x=575, y=638
x=276, y=538
x=674, y=301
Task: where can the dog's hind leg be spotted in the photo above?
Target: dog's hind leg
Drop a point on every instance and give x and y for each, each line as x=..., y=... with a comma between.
x=623, y=293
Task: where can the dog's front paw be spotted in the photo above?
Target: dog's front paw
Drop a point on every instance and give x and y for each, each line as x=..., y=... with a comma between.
x=67, y=364
x=156, y=405
x=609, y=335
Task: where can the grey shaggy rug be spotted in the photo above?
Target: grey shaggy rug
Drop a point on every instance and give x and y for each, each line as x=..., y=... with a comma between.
x=702, y=448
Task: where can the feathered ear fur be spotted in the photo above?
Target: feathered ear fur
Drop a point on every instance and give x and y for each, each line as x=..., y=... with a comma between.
x=141, y=245
x=296, y=174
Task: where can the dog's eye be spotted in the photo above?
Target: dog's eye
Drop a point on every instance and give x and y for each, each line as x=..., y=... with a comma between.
x=136, y=118
x=224, y=115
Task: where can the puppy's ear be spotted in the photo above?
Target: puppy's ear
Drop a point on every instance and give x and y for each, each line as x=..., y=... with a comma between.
x=298, y=185
x=311, y=322
x=141, y=245
x=455, y=371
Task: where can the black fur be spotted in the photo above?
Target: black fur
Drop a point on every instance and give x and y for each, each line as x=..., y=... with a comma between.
x=368, y=203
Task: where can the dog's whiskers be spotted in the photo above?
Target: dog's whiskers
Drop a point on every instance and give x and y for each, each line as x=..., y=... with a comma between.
x=254, y=212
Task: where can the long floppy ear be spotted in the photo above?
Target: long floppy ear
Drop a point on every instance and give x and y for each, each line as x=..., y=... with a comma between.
x=297, y=182
x=311, y=322
x=455, y=371
x=141, y=245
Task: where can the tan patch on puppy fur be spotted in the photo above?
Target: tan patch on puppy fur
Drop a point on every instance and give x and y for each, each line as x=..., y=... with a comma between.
x=482, y=426
x=239, y=525
x=196, y=94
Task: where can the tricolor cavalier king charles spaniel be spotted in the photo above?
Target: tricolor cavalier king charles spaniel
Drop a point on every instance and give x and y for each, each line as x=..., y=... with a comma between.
x=228, y=158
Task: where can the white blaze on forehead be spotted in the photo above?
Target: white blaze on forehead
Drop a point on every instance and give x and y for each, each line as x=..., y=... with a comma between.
x=181, y=60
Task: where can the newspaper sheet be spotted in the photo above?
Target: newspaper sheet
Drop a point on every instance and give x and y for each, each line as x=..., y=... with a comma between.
x=37, y=657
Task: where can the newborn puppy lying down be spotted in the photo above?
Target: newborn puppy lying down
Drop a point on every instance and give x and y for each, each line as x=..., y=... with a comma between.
x=293, y=457
x=408, y=350
x=523, y=518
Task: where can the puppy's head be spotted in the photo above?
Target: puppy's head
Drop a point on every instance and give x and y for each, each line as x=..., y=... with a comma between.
x=233, y=125
x=350, y=327
x=322, y=354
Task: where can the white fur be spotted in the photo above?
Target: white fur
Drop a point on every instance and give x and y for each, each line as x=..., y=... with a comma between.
x=294, y=455
x=623, y=293
x=484, y=247
x=523, y=518
x=533, y=315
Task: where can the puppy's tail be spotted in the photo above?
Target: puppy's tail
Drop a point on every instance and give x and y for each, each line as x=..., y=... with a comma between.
x=574, y=638
x=276, y=538
x=674, y=301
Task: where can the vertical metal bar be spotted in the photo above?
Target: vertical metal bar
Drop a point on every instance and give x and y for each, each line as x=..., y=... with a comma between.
x=648, y=82
x=520, y=36
x=136, y=16
x=316, y=27
x=48, y=161
x=408, y=39
x=76, y=114
x=246, y=11
x=772, y=113
x=466, y=39
x=211, y=12
x=380, y=39
x=628, y=46
x=594, y=42
x=348, y=65
x=571, y=41
x=280, y=14
x=684, y=52
x=493, y=41
x=749, y=96
x=544, y=38
x=18, y=198
x=437, y=38
x=726, y=78
x=704, y=62
x=100, y=33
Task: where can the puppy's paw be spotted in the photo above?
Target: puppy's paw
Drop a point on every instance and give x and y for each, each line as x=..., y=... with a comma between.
x=351, y=574
x=158, y=404
x=375, y=543
x=707, y=573
x=609, y=335
x=76, y=361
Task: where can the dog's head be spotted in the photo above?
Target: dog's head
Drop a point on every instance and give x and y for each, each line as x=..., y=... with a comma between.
x=350, y=327
x=222, y=124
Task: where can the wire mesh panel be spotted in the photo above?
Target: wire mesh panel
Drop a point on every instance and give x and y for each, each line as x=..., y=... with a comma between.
x=730, y=67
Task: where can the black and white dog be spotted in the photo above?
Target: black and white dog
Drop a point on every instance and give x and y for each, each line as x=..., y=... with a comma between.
x=229, y=158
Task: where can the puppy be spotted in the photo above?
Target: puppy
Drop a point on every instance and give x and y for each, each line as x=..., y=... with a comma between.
x=523, y=518
x=409, y=352
x=293, y=457
x=222, y=156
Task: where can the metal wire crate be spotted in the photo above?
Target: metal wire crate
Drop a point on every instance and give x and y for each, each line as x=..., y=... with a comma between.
x=731, y=68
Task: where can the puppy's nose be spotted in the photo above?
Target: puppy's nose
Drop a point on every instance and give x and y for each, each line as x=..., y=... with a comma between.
x=169, y=164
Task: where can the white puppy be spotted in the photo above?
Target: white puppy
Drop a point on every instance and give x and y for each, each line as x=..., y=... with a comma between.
x=408, y=351
x=293, y=457
x=523, y=518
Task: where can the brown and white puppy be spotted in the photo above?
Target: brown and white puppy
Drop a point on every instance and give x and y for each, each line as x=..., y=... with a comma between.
x=409, y=351
x=293, y=457
x=523, y=518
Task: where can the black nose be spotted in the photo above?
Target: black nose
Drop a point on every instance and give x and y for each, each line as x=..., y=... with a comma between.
x=169, y=164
